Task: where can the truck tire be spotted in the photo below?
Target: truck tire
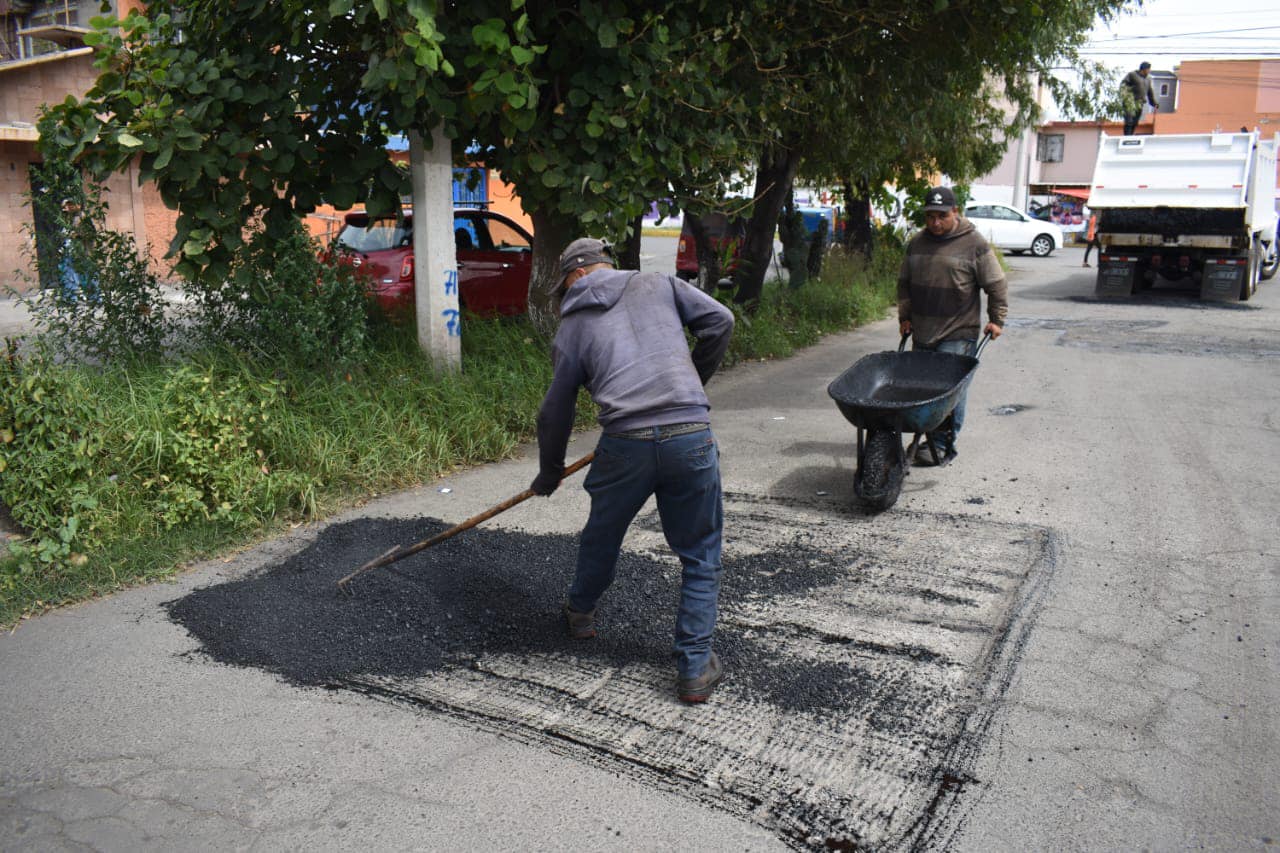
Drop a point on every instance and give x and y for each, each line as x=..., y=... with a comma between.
x=1042, y=246
x=1270, y=264
x=1250, y=284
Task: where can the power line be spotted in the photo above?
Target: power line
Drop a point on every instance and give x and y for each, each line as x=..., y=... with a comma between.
x=1202, y=33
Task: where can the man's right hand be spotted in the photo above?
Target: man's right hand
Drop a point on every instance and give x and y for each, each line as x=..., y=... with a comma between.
x=546, y=482
x=904, y=327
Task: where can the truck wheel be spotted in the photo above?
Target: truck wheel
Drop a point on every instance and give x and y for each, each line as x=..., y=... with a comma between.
x=1042, y=246
x=1250, y=284
x=1270, y=264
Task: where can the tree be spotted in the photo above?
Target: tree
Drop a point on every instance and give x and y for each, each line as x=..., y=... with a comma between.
x=591, y=109
x=279, y=106
x=874, y=91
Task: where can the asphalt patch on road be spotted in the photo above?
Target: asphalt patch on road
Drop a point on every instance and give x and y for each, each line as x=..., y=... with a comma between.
x=860, y=653
x=1140, y=336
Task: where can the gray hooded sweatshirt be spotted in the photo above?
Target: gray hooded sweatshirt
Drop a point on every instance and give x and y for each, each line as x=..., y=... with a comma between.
x=622, y=336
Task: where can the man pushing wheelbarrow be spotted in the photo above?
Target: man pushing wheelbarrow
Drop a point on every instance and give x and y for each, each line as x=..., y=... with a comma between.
x=938, y=303
x=923, y=391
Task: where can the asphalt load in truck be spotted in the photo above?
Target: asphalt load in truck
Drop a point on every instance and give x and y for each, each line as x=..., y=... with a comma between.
x=857, y=652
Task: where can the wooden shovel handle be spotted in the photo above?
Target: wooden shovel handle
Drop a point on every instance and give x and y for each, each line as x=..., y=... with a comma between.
x=400, y=552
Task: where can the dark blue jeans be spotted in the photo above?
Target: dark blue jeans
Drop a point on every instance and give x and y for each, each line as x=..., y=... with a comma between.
x=683, y=472
x=945, y=437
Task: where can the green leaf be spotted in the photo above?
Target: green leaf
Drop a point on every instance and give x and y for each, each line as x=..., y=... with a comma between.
x=128, y=140
x=607, y=32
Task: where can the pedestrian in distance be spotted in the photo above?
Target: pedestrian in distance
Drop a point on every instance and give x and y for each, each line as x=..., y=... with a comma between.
x=1136, y=94
x=622, y=336
x=1091, y=238
x=946, y=266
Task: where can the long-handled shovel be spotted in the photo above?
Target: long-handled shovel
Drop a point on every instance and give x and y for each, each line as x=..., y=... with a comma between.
x=399, y=552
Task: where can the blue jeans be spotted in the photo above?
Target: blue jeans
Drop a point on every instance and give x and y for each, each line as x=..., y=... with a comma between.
x=683, y=471
x=945, y=437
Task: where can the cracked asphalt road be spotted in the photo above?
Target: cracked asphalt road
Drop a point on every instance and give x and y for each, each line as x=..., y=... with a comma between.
x=1125, y=698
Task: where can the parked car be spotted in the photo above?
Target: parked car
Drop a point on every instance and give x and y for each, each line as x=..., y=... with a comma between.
x=495, y=258
x=1014, y=230
x=726, y=236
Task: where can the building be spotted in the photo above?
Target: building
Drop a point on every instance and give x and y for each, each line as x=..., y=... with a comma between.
x=43, y=59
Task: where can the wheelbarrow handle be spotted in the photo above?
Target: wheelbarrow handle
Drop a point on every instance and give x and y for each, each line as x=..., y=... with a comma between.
x=903, y=343
x=986, y=338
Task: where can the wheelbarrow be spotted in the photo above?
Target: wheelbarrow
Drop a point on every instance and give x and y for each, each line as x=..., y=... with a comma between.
x=890, y=393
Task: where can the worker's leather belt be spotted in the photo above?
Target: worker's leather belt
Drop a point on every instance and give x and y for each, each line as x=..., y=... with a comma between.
x=662, y=431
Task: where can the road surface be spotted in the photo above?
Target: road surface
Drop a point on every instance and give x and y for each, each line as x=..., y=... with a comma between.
x=1067, y=639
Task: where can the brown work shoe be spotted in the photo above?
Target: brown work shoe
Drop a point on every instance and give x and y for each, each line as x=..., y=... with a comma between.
x=699, y=689
x=582, y=626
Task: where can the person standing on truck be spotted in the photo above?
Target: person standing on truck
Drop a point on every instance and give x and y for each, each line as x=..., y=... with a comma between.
x=622, y=335
x=945, y=266
x=1136, y=93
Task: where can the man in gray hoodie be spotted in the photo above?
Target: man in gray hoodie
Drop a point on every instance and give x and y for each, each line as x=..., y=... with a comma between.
x=622, y=336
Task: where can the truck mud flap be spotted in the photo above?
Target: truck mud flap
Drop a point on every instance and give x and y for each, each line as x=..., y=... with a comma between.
x=1117, y=276
x=1223, y=279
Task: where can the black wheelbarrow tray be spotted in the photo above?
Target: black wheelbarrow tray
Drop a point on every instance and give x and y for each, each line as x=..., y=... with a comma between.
x=911, y=391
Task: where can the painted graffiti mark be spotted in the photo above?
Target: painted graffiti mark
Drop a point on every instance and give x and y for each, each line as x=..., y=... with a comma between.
x=450, y=282
x=452, y=322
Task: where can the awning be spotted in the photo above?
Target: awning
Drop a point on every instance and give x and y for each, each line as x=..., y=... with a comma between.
x=1080, y=193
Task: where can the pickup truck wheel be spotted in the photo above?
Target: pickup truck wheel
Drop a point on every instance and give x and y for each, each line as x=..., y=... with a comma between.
x=1042, y=246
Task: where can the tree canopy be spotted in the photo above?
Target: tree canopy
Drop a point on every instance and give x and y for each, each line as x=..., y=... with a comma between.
x=593, y=109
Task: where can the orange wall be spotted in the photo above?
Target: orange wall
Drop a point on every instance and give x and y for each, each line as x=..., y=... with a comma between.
x=1225, y=95
x=325, y=222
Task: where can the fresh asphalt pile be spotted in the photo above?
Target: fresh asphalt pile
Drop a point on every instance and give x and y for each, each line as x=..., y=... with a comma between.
x=857, y=649
x=485, y=592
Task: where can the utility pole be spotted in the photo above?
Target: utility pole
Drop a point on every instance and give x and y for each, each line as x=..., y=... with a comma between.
x=435, y=261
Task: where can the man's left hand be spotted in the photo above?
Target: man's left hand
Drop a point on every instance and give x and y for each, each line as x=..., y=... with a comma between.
x=994, y=330
x=546, y=482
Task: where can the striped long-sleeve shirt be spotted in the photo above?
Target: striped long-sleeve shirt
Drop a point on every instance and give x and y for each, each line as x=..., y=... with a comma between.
x=939, y=282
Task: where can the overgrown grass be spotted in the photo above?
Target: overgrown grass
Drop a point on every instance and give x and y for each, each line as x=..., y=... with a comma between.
x=850, y=293
x=162, y=463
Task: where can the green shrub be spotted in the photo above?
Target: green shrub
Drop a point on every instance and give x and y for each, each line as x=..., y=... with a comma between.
x=206, y=456
x=50, y=454
x=282, y=302
x=98, y=297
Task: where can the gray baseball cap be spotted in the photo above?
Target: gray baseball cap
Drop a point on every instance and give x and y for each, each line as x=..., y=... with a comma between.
x=584, y=252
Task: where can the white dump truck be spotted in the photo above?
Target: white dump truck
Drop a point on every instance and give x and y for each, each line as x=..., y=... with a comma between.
x=1196, y=206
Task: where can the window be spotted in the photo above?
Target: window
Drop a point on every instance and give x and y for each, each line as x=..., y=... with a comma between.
x=1049, y=147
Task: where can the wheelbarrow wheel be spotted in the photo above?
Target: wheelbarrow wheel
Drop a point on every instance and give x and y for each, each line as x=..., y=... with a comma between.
x=878, y=480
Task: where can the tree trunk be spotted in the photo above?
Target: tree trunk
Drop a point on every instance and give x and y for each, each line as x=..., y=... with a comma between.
x=551, y=233
x=795, y=243
x=774, y=176
x=708, y=255
x=858, y=233
x=627, y=256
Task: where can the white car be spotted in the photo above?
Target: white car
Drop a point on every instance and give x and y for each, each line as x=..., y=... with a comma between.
x=1014, y=230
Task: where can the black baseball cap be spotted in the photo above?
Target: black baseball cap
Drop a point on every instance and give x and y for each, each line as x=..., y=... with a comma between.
x=939, y=198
